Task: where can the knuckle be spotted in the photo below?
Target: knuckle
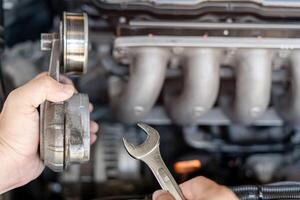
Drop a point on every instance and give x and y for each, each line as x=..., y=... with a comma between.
x=12, y=95
x=198, y=179
x=11, y=98
x=43, y=74
x=47, y=82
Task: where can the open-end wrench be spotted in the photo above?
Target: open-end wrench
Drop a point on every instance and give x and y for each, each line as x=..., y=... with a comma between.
x=149, y=153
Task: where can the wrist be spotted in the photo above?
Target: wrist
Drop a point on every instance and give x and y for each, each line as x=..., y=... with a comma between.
x=7, y=173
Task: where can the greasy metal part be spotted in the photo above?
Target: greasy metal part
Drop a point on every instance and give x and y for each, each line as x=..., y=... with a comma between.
x=253, y=75
x=149, y=153
x=214, y=117
x=137, y=27
x=52, y=135
x=289, y=103
x=253, y=60
x=138, y=95
x=207, y=42
x=64, y=126
x=190, y=4
x=200, y=72
x=75, y=42
x=47, y=41
x=52, y=127
x=278, y=8
x=215, y=25
x=77, y=129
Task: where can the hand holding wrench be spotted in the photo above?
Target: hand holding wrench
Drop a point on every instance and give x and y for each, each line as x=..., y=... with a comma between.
x=149, y=153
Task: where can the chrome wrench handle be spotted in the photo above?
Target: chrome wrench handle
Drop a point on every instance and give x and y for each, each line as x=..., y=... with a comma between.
x=162, y=174
x=149, y=153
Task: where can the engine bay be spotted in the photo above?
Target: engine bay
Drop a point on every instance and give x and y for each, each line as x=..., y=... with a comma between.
x=218, y=79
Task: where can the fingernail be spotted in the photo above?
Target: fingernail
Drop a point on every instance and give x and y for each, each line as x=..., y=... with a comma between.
x=158, y=194
x=68, y=89
x=93, y=139
x=96, y=127
x=91, y=107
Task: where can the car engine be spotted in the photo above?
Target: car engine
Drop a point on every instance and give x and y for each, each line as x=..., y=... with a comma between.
x=219, y=79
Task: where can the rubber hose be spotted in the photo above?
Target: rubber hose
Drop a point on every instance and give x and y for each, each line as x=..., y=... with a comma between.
x=267, y=192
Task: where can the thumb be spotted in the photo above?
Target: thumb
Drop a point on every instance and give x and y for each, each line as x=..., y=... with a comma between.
x=28, y=97
x=162, y=195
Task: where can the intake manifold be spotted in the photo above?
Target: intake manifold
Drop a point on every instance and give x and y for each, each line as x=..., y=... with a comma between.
x=253, y=80
x=137, y=95
x=200, y=88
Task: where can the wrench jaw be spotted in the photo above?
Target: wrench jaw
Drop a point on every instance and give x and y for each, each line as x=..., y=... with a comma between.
x=130, y=148
x=149, y=153
x=149, y=145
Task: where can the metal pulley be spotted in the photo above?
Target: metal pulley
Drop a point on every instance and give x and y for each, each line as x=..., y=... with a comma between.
x=64, y=126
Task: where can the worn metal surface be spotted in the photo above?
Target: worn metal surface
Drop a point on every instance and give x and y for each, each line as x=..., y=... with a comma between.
x=206, y=42
x=77, y=129
x=52, y=135
x=65, y=126
x=75, y=42
x=252, y=61
x=289, y=104
x=191, y=4
x=200, y=72
x=134, y=98
x=214, y=117
x=52, y=127
x=276, y=8
x=253, y=85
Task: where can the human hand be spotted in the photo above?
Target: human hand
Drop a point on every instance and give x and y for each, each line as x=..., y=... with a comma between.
x=19, y=129
x=199, y=188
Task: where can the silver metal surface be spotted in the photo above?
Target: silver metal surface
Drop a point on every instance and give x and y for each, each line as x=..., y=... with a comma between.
x=252, y=61
x=65, y=126
x=52, y=128
x=133, y=99
x=149, y=153
x=192, y=4
x=77, y=129
x=206, y=42
x=200, y=71
x=47, y=41
x=289, y=104
x=75, y=42
x=214, y=117
x=52, y=135
x=253, y=85
x=205, y=25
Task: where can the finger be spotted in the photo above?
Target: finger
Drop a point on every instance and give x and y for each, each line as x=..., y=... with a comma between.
x=94, y=127
x=43, y=87
x=93, y=138
x=41, y=74
x=91, y=107
x=162, y=195
x=40, y=168
x=198, y=187
x=65, y=80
